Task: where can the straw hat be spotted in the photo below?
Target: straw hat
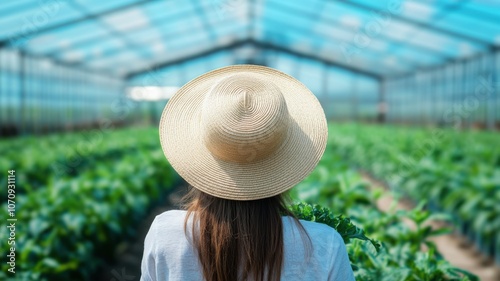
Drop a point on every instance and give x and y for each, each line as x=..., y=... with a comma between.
x=243, y=132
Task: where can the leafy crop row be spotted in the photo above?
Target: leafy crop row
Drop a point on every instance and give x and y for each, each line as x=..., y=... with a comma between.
x=406, y=253
x=456, y=172
x=68, y=226
x=42, y=159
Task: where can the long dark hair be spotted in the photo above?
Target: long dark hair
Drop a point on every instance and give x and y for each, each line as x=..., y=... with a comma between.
x=237, y=240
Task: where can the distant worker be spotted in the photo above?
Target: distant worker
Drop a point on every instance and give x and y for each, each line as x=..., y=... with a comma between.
x=241, y=136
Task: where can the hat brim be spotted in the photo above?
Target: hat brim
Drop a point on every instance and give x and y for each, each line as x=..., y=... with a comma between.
x=183, y=145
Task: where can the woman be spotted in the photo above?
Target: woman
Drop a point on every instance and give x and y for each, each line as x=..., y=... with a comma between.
x=242, y=136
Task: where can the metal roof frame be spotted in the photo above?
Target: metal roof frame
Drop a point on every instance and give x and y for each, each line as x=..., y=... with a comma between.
x=257, y=42
x=261, y=45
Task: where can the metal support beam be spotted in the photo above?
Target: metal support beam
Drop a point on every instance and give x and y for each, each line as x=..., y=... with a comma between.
x=66, y=64
x=315, y=57
x=261, y=45
x=180, y=60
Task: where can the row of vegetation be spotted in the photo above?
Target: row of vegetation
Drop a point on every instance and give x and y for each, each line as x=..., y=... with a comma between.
x=72, y=216
x=42, y=159
x=406, y=252
x=457, y=173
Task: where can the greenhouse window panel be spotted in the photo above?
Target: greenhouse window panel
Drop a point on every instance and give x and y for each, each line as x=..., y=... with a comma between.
x=187, y=52
x=461, y=22
x=295, y=41
x=336, y=40
x=41, y=29
x=364, y=5
x=178, y=34
x=55, y=43
x=231, y=46
x=320, y=31
x=151, y=43
x=355, y=24
x=185, y=20
x=326, y=56
x=487, y=10
x=93, y=51
x=100, y=36
x=15, y=6
x=19, y=26
x=159, y=48
x=51, y=44
x=98, y=6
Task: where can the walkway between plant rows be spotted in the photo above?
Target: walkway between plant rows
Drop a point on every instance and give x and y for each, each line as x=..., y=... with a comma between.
x=454, y=247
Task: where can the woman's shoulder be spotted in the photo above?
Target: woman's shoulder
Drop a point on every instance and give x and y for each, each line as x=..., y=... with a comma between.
x=170, y=218
x=319, y=230
x=171, y=214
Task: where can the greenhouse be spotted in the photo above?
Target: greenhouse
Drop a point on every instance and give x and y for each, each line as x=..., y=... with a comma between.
x=410, y=177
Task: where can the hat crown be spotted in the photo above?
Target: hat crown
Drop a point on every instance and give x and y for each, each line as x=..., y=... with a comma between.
x=244, y=118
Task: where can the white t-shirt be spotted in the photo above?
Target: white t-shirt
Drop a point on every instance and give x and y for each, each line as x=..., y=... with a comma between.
x=169, y=255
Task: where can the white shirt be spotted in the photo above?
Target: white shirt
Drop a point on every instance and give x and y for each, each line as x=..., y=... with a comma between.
x=168, y=254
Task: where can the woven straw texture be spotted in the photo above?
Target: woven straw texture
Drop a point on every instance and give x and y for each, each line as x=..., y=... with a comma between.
x=243, y=132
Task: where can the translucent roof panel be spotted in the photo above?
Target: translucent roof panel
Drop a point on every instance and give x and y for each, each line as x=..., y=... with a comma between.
x=373, y=38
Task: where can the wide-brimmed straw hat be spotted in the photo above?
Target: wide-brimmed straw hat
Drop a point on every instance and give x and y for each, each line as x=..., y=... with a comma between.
x=243, y=132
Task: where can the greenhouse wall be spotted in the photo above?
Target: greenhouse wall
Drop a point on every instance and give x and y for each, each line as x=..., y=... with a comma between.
x=462, y=94
x=39, y=96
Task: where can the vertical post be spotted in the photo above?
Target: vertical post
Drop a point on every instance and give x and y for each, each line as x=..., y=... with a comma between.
x=22, y=93
x=420, y=89
x=324, y=89
x=354, y=99
x=4, y=124
x=39, y=118
x=496, y=100
x=414, y=98
x=454, y=87
x=400, y=96
x=404, y=100
x=491, y=97
x=388, y=88
x=431, y=96
x=382, y=106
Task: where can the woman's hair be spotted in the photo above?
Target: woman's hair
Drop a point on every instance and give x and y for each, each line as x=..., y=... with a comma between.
x=237, y=240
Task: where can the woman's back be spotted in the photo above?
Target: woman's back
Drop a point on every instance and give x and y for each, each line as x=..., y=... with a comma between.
x=169, y=255
x=241, y=136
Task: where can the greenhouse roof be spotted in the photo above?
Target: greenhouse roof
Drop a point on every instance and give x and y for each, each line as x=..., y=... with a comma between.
x=373, y=38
